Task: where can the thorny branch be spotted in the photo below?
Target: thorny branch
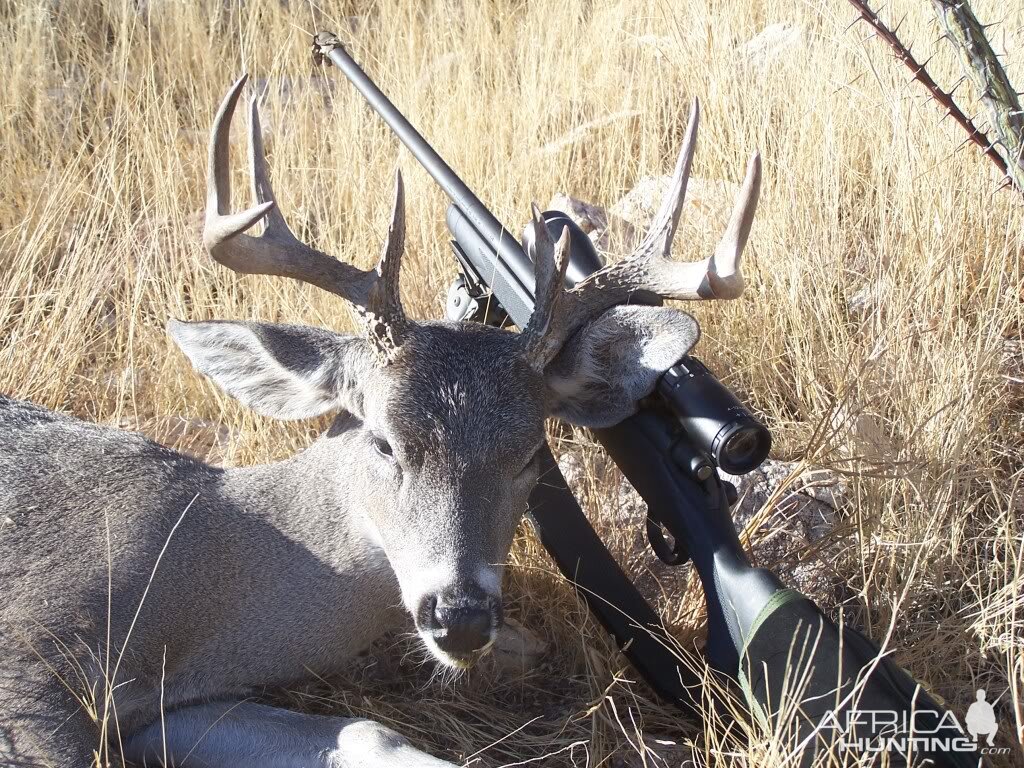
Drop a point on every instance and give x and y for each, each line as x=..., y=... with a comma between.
x=903, y=53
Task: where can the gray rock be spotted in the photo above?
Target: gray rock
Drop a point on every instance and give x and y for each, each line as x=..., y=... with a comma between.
x=859, y=433
x=773, y=42
x=1011, y=363
x=707, y=200
x=791, y=535
x=516, y=650
x=866, y=301
x=610, y=234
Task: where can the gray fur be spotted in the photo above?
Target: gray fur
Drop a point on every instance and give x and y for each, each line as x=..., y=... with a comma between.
x=269, y=574
x=600, y=374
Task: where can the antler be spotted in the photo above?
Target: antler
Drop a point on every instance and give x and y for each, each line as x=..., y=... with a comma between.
x=373, y=293
x=649, y=270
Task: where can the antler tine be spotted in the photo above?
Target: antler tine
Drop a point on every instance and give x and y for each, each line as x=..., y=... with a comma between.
x=221, y=225
x=385, y=317
x=550, y=261
x=658, y=242
x=277, y=251
x=649, y=272
x=724, y=274
x=262, y=190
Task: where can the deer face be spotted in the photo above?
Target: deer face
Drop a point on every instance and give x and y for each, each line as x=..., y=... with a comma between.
x=441, y=465
x=451, y=415
x=457, y=432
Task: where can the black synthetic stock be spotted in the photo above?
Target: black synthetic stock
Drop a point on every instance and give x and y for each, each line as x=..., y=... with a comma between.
x=697, y=516
x=796, y=655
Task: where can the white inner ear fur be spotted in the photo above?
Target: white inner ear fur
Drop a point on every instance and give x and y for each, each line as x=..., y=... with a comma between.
x=238, y=361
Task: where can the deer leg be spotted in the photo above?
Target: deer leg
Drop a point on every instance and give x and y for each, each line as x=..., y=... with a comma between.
x=41, y=722
x=229, y=734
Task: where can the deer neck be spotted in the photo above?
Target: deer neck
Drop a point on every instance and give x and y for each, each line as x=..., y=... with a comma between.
x=312, y=498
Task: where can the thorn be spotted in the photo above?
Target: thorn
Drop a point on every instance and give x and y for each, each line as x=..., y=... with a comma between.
x=961, y=145
x=852, y=24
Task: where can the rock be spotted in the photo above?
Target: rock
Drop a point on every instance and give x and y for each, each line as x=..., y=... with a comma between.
x=591, y=218
x=1011, y=363
x=811, y=502
x=772, y=42
x=622, y=512
x=610, y=234
x=866, y=301
x=571, y=467
x=516, y=649
x=860, y=434
x=706, y=201
x=620, y=228
x=790, y=538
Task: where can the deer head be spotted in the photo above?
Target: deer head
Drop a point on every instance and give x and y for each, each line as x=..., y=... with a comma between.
x=448, y=418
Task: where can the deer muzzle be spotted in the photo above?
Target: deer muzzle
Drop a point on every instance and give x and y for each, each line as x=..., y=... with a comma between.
x=461, y=622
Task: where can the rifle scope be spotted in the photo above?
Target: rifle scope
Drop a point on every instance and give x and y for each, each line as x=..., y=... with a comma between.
x=714, y=418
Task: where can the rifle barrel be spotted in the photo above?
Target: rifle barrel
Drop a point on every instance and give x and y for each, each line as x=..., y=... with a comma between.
x=504, y=242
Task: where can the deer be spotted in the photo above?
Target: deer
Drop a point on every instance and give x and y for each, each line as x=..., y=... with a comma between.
x=150, y=598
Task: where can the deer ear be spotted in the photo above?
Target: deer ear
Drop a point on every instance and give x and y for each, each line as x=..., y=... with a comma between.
x=282, y=371
x=614, y=361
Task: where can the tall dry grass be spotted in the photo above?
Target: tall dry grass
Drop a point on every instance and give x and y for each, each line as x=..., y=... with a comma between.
x=104, y=110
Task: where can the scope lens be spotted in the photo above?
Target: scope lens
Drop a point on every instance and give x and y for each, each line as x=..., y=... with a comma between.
x=739, y=448
x=744, y=449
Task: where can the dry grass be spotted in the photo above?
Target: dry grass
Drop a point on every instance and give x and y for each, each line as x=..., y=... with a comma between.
x=103, y=118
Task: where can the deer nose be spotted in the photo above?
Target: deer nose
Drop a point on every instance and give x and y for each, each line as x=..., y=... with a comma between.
x=460, y=622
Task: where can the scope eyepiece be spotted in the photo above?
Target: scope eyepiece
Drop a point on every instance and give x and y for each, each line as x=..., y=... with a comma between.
x=713, y=418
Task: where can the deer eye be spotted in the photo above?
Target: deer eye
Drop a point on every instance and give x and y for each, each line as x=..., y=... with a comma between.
x=383, y=447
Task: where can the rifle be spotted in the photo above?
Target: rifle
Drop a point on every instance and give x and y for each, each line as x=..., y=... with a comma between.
x=763, y=635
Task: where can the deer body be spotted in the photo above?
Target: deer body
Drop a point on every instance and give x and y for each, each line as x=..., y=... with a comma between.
x=264, y=578
x=151, y=591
